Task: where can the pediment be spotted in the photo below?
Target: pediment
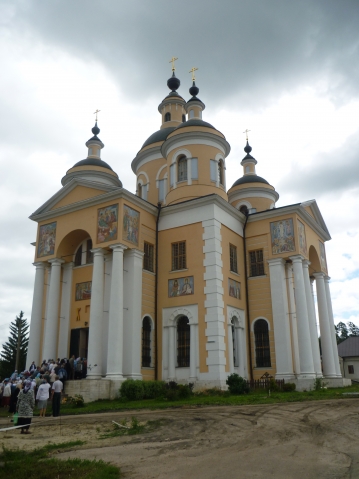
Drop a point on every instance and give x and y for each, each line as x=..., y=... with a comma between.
x=312, y=208
x=73, y=192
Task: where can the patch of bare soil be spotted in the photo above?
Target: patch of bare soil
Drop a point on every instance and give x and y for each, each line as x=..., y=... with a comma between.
x=284, y=441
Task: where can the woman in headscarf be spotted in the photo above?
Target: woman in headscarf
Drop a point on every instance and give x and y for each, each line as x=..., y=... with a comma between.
x=25, y=406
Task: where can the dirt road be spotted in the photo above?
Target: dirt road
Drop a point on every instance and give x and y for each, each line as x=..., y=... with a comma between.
x=312, y=440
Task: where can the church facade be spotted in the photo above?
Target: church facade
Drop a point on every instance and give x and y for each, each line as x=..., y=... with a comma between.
x=187, y=279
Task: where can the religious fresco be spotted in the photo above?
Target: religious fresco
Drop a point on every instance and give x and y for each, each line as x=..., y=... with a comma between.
x=282, y=233
x=131, y=224
x=323, y=261
x=83, y=291
x=180, y=286
x=107, y=223
x=47, y=236
x=234, y=288
x=302, y=239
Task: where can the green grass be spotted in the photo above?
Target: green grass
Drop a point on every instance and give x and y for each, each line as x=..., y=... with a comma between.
x=132, y=427
x=212, y=399
x=38, y=464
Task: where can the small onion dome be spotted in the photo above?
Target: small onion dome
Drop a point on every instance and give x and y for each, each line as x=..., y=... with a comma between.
x=248, y=156
x=96, y=130
x=250, y=179
x=194, y=90
x=173, y=83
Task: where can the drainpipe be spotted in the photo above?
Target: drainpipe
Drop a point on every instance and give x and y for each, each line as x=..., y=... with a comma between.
x=156, y=290
x=247, y=300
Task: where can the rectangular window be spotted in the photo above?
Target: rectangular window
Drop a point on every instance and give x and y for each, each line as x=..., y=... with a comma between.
x=178, y=255
x=214, y=172
x=233, y=258
x=256, y=263
x=194, y=168
x=351, y=369
x=161, y=190
x=148, y=257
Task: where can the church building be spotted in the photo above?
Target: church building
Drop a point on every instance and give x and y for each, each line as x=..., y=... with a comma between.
x=191, y=278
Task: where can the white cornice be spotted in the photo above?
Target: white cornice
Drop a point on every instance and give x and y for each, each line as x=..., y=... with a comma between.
x=319, y=228
x=194, y=138
x=45, y=212
x=253, y=192
x=145, y=156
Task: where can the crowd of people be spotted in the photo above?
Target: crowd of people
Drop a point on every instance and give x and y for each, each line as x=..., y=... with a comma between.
x=38, y=384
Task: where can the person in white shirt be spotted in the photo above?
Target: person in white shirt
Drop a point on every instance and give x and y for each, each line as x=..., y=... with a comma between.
x=57, y=388
x=42, y=397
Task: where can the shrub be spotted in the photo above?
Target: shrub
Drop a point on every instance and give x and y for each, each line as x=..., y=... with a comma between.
x=273, y=386
x=184, y=391
x=154, y=389
x=132, y=390
x=76, y=401
x=319, y=384
x=236, y=384
x=289, y=387
x=172, y=394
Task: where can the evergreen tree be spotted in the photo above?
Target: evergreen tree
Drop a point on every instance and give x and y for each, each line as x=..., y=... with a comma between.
x=341, y=332
x=13, y=354
x=353, y=329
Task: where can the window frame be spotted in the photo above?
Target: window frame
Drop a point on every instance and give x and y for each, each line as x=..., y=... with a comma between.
x=182, y=169
x=179, y=256
x=146, y=340
x=262, y=344
x=233, y=258
x=350, y=369
x=148, y=257
x=183, y=347
x=256, y=268
x=167, y=117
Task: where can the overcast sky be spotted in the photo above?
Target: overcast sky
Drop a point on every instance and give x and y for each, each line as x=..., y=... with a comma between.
x=286, y=70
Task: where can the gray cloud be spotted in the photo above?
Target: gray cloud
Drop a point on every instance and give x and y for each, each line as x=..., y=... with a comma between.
x=247, y=51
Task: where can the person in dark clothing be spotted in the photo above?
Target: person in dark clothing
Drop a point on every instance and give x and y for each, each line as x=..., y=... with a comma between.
x=56, y=391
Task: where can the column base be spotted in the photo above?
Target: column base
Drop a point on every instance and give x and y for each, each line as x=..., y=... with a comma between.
x=94, y=376
x=114, y=377
x=132, y=376
x=192, y=380
x=286, y=376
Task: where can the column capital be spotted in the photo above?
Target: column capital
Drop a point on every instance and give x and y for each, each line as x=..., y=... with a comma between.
x=69, y=265
x=319, y=275
x=40, y=265
x=297, y=258
x=135, y=252
x=327, y=279
x=118, y=247
x=97, y=251
x=276, y=261
x=56, y=261
x=306, y=263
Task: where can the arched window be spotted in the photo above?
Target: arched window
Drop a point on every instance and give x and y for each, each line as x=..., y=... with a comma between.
x=89, y=255
x=261, y=340
x=146, y=342
x=168, y=117
x=235, y=342
x=183, y=342
x=139, y=190
x=248, y=169
x=191, y=114
x=244, y=209
x=78, y=257
x=182, y=169
x=183, y=118
x=220, y=173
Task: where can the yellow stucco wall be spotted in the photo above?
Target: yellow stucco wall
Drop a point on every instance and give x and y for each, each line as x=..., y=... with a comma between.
x=79, y=193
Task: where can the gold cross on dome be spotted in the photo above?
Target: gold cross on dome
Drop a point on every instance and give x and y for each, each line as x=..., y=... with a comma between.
x=173, y=59
x=95, y=113
x=246, y=132
x=193, y=69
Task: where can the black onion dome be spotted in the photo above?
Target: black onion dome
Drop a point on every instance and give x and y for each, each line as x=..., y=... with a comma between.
x=195, y=122
x=194, y=90
x=96, y=130
x=93, y=162
x=247, y=148
x=173, y=83
x=250, y=179
x=159, y=135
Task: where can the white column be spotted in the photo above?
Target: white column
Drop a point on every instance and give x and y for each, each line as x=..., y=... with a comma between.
x=132, y=318
x=332, y=328
x=292, y=317
x=172, y=352
x=64, y=332
x=312, y=320
x=304, y=340
x=94, y=359
x=52, y=316
x=283, y=350
x=193, y=353
x=241, y=341
x=115, y=326
x=325, y=332
x=47, y=284
x=189, y=171
x=230, y=348
x=33, y=351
